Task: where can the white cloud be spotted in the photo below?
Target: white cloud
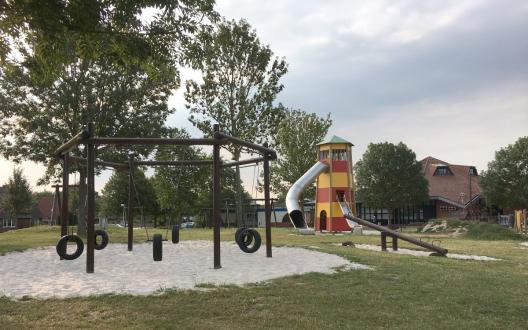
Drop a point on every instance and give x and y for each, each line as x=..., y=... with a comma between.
x=448, y=78
x=461, y=131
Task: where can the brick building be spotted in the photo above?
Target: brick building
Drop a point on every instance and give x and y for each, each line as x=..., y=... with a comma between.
x=40, y=214
x=454, y=192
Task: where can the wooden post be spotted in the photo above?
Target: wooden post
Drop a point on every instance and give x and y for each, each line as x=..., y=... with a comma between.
x=267, y=203
x=383, y=241
x=130, y=215
x=216, y=201
x=394, y=243
x=90, y=212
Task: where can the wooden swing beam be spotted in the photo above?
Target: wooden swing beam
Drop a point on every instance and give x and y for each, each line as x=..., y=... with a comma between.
x=87, y=138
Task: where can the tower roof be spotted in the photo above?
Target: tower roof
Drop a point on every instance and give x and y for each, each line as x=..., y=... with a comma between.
x=334, y=140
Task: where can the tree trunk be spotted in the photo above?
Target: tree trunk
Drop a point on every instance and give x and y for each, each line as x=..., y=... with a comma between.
x=81, y=218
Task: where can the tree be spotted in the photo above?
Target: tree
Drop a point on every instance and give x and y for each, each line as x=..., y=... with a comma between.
x=178, y=188
x=66, y=63
x=505, y=183
x=389, y=176
x=295, y=142
x=47, y=33
x=18, y=197
x=115, y=193
x=184, y=190
x=240, y=82
x=228, y=190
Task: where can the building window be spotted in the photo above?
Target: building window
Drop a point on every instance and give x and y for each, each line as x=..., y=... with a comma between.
x=473, y=171
x=442, y=171
x=323, y=154
x=452, y=208
x=339, y=154
x=443, y=208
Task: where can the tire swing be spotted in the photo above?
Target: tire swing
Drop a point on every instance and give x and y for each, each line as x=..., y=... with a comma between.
x=175, y=234
x=143, y=223
x=248, y=240
x=104, y=239
x=157, y=247
x=62, y=247
x=238, y=231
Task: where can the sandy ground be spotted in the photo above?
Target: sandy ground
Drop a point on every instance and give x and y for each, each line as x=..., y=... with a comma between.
x=39, y=272
x=424, y=253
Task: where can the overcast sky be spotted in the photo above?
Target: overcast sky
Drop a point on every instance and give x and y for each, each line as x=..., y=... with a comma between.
x=448, y=78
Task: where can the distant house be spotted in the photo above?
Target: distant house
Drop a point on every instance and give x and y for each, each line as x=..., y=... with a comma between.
x=454, y=190
x=5, y=222
x=44, y=210
x=41, y=214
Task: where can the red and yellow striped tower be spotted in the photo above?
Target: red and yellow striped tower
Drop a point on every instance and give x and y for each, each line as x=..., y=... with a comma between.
x=336, y=184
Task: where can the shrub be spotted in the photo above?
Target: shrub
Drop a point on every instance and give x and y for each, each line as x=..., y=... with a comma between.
x=456, y=223
x=491, y=232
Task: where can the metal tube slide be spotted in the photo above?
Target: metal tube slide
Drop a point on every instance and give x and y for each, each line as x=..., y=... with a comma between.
x=294, y=194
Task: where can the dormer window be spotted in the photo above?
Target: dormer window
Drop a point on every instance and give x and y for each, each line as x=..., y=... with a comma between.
x=442, y=170
x=473, y=171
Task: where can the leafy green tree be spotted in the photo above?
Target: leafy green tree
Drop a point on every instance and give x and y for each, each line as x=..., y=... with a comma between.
x=49, y=34
x=66, y=63
x=178, y=187
x=505, y=183
x=228, y=191
x=389, y=176
x=185, y=190
x=18, y=197
x=241, y=80
x=295, y=142
x=115, y=193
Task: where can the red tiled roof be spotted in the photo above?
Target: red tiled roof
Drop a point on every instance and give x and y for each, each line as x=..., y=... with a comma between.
x=459, y=188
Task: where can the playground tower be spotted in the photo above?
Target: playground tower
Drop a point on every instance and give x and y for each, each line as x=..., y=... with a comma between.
x=335, y=185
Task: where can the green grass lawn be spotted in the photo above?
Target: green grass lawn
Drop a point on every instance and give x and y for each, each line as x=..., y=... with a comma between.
x=404, y=292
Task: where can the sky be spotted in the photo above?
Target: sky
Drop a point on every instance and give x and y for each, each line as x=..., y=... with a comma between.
x=447, y=78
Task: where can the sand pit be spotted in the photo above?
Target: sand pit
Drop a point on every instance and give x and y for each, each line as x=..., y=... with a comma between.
x=39, y=272
x=425, y=253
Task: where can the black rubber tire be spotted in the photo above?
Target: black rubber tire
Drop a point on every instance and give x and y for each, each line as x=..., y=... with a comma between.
x=61, y=247
x=245, y=237
x=104, y=237
x=237, y=233
x=255, y=238
x=175, y=234
x=157, y=247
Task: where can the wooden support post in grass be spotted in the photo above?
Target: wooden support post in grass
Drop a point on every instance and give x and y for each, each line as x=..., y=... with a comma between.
x=90, y=212
x=216, y=200
x=267, y=203
x=394, y=243
x=130, y=219
x=383, y=241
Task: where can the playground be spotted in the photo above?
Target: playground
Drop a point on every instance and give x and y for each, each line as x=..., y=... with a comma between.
x=214, y=278
x=415, y=291
x=186, y=266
